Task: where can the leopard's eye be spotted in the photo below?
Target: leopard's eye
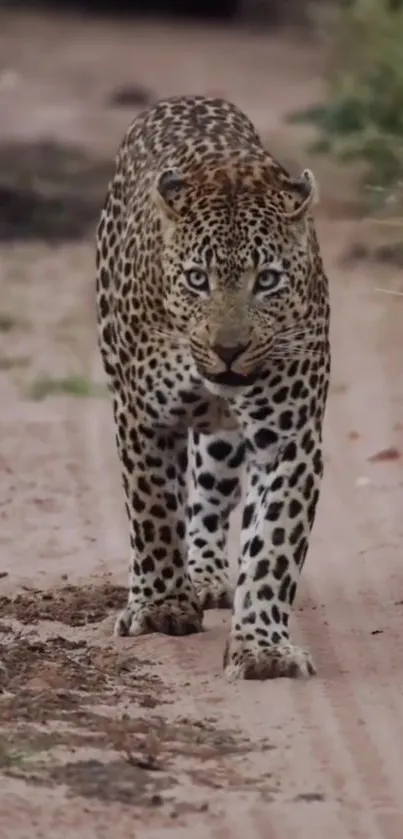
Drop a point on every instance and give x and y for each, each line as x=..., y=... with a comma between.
x=197, y=280
x=268, y=280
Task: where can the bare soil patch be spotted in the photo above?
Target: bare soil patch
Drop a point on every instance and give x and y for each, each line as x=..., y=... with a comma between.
x=71, y=605
x=49, y=191
x=63, y=723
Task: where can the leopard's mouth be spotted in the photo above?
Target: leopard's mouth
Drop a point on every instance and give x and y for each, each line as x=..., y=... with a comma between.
x=231, y=379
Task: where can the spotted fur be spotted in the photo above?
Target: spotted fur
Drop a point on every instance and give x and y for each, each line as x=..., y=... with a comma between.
x=213, y=316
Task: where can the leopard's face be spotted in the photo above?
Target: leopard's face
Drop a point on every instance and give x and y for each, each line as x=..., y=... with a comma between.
x=236, y=267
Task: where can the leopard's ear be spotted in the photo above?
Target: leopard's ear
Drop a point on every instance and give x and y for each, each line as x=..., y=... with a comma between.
x=306, y=190
x=171, y=189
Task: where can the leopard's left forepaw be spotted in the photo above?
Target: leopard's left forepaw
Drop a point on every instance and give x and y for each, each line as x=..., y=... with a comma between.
x=246, y=660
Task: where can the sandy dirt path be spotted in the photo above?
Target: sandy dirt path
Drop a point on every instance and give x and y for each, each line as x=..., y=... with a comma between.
x=102, y=737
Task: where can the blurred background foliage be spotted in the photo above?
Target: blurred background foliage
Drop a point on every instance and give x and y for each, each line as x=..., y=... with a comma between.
x=360, y=120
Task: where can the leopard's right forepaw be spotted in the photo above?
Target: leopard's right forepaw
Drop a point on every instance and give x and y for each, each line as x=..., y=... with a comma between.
x=171, y=617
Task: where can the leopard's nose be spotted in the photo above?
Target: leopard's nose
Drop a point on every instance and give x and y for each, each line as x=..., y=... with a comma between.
x=229, y=354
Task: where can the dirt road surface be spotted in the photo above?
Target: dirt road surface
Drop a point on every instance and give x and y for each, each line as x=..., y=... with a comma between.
x=104, y=737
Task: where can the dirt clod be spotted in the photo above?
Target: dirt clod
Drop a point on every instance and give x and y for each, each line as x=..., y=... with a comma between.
x=390, y=453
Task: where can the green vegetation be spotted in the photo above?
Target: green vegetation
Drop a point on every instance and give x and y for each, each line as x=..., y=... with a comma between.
x=74, y=385
x=13, y=759
x=361, y=121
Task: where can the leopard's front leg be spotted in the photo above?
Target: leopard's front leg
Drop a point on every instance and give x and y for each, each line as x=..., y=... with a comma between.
x=280, y=507
x=161, y=594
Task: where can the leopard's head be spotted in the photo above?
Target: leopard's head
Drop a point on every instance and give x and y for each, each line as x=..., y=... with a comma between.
x=239, y=251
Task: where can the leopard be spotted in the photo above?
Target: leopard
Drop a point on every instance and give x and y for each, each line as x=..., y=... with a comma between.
x=213, y=313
